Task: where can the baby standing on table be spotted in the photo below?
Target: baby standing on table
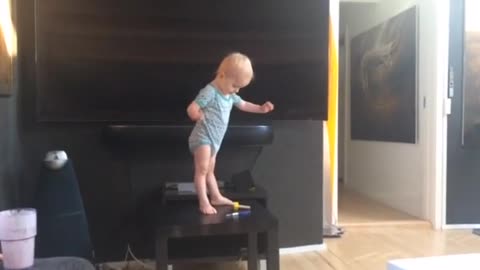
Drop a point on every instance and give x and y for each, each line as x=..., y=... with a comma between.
x=211, y=112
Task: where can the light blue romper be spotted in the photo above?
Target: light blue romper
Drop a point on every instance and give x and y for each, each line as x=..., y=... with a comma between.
x=216, y=109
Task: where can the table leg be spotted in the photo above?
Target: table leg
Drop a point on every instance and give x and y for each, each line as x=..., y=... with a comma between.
x=273, y=258
x=253, y=251
x=161, y=252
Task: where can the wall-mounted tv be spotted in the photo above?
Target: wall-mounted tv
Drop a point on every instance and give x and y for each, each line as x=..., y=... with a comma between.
x=145, y=60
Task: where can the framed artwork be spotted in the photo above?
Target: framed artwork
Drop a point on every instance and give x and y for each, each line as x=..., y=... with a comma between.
x=384, y=81
x=8, y=48
x=471, y=75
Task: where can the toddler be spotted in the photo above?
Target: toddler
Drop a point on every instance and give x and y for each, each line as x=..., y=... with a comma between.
x=211, y=112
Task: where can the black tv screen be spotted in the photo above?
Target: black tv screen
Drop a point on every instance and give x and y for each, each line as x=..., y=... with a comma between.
x=145, y=60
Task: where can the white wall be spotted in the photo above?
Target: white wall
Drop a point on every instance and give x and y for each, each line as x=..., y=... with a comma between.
x=397, y=174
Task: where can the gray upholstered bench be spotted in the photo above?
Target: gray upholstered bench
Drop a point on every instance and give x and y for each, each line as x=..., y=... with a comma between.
x=61, y=263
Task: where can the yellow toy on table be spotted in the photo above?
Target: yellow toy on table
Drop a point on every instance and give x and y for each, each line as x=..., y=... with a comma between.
x=237, y=206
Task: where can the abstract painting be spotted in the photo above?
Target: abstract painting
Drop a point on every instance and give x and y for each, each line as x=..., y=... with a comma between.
x=7, y=48
x=384, y=81
x=471, y=79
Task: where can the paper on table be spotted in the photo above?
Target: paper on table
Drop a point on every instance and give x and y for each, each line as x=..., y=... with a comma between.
x=186, y=187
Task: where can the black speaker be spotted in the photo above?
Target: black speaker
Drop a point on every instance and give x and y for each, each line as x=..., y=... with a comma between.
x=62, y=227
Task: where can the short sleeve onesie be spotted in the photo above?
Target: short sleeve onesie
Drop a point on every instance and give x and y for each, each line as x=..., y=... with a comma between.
x=216, y=109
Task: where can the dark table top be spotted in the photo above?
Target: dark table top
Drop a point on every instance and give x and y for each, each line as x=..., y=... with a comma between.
x=186, y=220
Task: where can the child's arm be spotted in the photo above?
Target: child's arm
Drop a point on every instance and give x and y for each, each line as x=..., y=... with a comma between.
x=194, y=111
x=254, y=108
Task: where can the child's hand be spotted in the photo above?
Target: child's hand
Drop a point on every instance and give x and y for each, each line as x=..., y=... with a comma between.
x=194, y=112
x=198, y=116
x=267, y=107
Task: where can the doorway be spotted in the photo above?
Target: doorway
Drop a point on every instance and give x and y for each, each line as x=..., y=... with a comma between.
x=385, y=182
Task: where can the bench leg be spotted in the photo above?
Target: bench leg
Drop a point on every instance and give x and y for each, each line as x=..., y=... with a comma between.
x=273, y=258
x=253, y=251
x=161, y=253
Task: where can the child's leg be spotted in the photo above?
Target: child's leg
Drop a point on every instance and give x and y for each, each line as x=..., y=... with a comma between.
x=216, y=197
x=202, y=162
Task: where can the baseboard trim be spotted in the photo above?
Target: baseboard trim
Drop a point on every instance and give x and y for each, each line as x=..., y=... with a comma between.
x=461, y=226
x=302, y=249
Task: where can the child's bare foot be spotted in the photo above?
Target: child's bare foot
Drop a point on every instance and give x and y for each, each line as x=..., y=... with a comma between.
x=221, y=201
x=207, y=209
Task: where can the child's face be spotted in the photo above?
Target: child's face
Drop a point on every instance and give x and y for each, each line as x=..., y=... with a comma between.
x=233, y=84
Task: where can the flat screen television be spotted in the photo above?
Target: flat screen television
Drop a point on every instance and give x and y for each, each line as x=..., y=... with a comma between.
x=145, y=60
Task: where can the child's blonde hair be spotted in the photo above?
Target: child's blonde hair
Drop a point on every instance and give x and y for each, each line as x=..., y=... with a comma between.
x=236, y=62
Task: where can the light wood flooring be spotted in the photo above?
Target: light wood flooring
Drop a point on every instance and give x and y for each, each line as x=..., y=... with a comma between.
x=374, y=235
x=355, y=209
x=370, y=248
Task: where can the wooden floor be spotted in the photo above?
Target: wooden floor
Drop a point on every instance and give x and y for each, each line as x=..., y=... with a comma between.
x=374, y=234
x=355, y=209
x=370, y=248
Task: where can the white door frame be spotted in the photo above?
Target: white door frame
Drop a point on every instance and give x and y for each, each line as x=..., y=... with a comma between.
x=436, y=143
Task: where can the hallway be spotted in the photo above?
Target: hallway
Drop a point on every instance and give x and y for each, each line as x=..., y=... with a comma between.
x=354, y=209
